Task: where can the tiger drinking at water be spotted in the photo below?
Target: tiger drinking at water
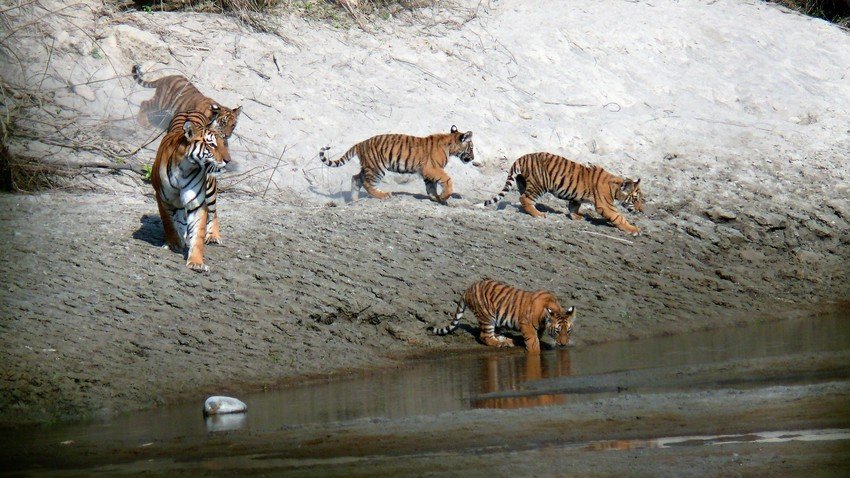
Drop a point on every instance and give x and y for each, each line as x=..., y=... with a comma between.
x=499, y=305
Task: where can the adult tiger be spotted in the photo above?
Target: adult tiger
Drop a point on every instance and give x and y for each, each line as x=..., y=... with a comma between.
x=189, y=157
x=499, y=305
x=176, y=94
x=401, y=153
x=539, y=173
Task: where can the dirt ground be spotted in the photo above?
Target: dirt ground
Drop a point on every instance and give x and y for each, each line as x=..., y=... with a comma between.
x=99, y=319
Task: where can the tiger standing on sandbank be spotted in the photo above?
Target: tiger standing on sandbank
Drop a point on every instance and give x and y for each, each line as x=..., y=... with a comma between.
x=401, y=153
x=190, y=154
x=540, y=173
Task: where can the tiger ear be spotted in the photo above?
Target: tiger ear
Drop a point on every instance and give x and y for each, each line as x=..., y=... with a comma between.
x=637, y=181
x=189, y=130
x=236, y=111
x=215, y=110
x=571, y=309
x=467, y=137
x=454, y=129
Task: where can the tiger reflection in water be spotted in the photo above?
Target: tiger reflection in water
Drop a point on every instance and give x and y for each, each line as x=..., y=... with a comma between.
x=506, y=374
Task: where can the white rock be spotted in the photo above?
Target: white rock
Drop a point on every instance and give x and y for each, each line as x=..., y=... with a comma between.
x=217, y=405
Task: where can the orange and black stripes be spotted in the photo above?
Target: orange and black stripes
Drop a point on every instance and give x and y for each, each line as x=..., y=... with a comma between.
x=399, y=153
x=176, y=94
x=499, y=305
x=183, y=177
x=540, y=173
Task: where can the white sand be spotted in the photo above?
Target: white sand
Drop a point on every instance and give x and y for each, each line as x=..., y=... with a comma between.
x=734, y=91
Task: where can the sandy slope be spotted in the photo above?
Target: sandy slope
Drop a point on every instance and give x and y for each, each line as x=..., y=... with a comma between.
x=734, y=113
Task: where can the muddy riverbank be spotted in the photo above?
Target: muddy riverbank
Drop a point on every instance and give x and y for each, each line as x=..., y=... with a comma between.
x=737, y=404
x=100, y=319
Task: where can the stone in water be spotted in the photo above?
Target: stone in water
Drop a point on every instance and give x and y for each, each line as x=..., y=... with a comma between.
x=218, y=405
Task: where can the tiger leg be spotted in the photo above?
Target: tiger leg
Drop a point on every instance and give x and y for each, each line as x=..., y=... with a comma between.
x=356, y=184
x=370, y=182
x=431, y=188
x=213, y=229
x=488, y=335
x=608, y=212
x=196, y=232
x=532, y=340
x=168, y=216
x=527, y=202
x=446, y=181
x=574, y=206
x=142, y=117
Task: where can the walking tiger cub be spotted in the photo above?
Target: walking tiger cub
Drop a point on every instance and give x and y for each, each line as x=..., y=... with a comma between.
x=401, y=153
x=189, y=157
x=499, y=305
x=176, y=94
x=539, y=173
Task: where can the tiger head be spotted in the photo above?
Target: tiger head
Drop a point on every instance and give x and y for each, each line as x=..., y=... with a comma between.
x=560, y=325
x=227, y=120
x=207, y=147
x=630, y=196
x=461, y=145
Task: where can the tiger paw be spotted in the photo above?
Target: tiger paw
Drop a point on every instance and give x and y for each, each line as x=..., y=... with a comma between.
x=213, y=240
x=505, y=342
x=197, y=266
x=173, y=247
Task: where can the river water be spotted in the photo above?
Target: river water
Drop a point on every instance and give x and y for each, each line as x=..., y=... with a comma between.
x=479, y=378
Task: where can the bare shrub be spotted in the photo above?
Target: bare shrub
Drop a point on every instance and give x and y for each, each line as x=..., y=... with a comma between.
x=260, y=14
x=837, y=11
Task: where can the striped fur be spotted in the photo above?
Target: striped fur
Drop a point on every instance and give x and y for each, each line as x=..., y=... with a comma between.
x=406, y=154
x=499, y=305
x=540, y=173
x=176, y=94
x=189, y=157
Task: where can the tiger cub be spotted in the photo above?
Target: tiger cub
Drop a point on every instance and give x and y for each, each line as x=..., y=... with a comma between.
x=406, y=154
x=176, y=94
x=191, y=154
x=539, y=173
x=499, y=305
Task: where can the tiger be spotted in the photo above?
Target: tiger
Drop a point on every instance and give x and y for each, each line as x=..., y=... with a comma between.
x=496, y=304
x=539, y=173
x=189, y=157
x=406, y=154
x=176, y=94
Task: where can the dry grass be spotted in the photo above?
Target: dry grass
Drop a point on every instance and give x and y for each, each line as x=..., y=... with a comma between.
x=837, y=11
x=261, y=14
